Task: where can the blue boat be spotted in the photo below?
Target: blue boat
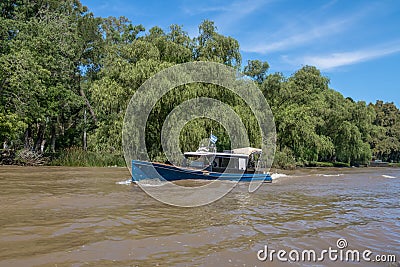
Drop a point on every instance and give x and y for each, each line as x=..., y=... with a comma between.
x=233, y=165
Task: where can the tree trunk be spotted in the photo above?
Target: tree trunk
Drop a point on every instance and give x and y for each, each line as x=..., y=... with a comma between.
x=84, y=131
x=40, y=136
x=28, y=138
x=53, y=138
x=42, y=146
x=88, y=104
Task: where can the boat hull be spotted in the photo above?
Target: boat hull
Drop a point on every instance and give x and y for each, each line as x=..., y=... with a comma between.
x=142, y=170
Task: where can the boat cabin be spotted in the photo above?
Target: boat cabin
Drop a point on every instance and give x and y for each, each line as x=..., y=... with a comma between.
x=231, y=161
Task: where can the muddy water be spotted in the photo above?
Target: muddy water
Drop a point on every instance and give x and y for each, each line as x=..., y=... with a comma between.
x=52, y=216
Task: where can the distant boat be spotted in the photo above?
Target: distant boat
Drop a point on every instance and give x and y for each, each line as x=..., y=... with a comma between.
x=233, y=165
x=379, y=163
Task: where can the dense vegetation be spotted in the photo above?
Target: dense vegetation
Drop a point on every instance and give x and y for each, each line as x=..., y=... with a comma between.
x=66, y=78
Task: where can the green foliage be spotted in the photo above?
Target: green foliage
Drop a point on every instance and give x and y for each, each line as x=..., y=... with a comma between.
x=11, y=127
x=340, y=164
x=256, y=69
x=40, y=66
x=316, y=122
x=211, y=46
x=385, y=136
x=78, y=157
x=284, y=159
x=319, y=164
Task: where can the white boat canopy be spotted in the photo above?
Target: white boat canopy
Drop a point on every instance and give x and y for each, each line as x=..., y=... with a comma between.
x=246, y=150
x=238, y=152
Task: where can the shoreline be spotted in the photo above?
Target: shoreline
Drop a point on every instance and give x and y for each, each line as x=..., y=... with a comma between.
x=272, y=169
x=279, y=170
x=80, y=158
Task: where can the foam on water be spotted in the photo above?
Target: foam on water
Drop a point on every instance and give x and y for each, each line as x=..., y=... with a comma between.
x=331, y=175
x=126, y=182
x=388, y=176
x=151, y=182
x=275, y=176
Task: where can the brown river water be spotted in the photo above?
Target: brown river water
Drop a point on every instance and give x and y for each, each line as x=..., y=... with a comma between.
x=59, y=216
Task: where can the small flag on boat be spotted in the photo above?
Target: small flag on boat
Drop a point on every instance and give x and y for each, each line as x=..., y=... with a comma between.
x=213, y=138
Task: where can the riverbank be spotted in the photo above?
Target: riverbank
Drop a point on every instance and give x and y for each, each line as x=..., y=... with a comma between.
x=71, y=157
x=77, y=157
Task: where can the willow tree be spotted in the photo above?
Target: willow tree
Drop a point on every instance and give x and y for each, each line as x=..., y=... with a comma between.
x=385, y=139
x=212, y=46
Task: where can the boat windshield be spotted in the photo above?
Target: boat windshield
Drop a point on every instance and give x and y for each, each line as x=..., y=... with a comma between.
x=196, y=161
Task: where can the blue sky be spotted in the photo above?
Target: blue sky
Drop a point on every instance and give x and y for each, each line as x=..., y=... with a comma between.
x=355, y=43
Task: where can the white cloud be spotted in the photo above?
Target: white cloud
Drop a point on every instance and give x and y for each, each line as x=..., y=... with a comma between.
x=305, y=29
x=334, y=60
x=306, y=36
x=237, y=11
x=228, y=15
x=200, y=10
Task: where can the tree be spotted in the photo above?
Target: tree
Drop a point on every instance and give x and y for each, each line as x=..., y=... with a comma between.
x=212, y=46
x=256, y=70
x=385, y=140
x=42, y=67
